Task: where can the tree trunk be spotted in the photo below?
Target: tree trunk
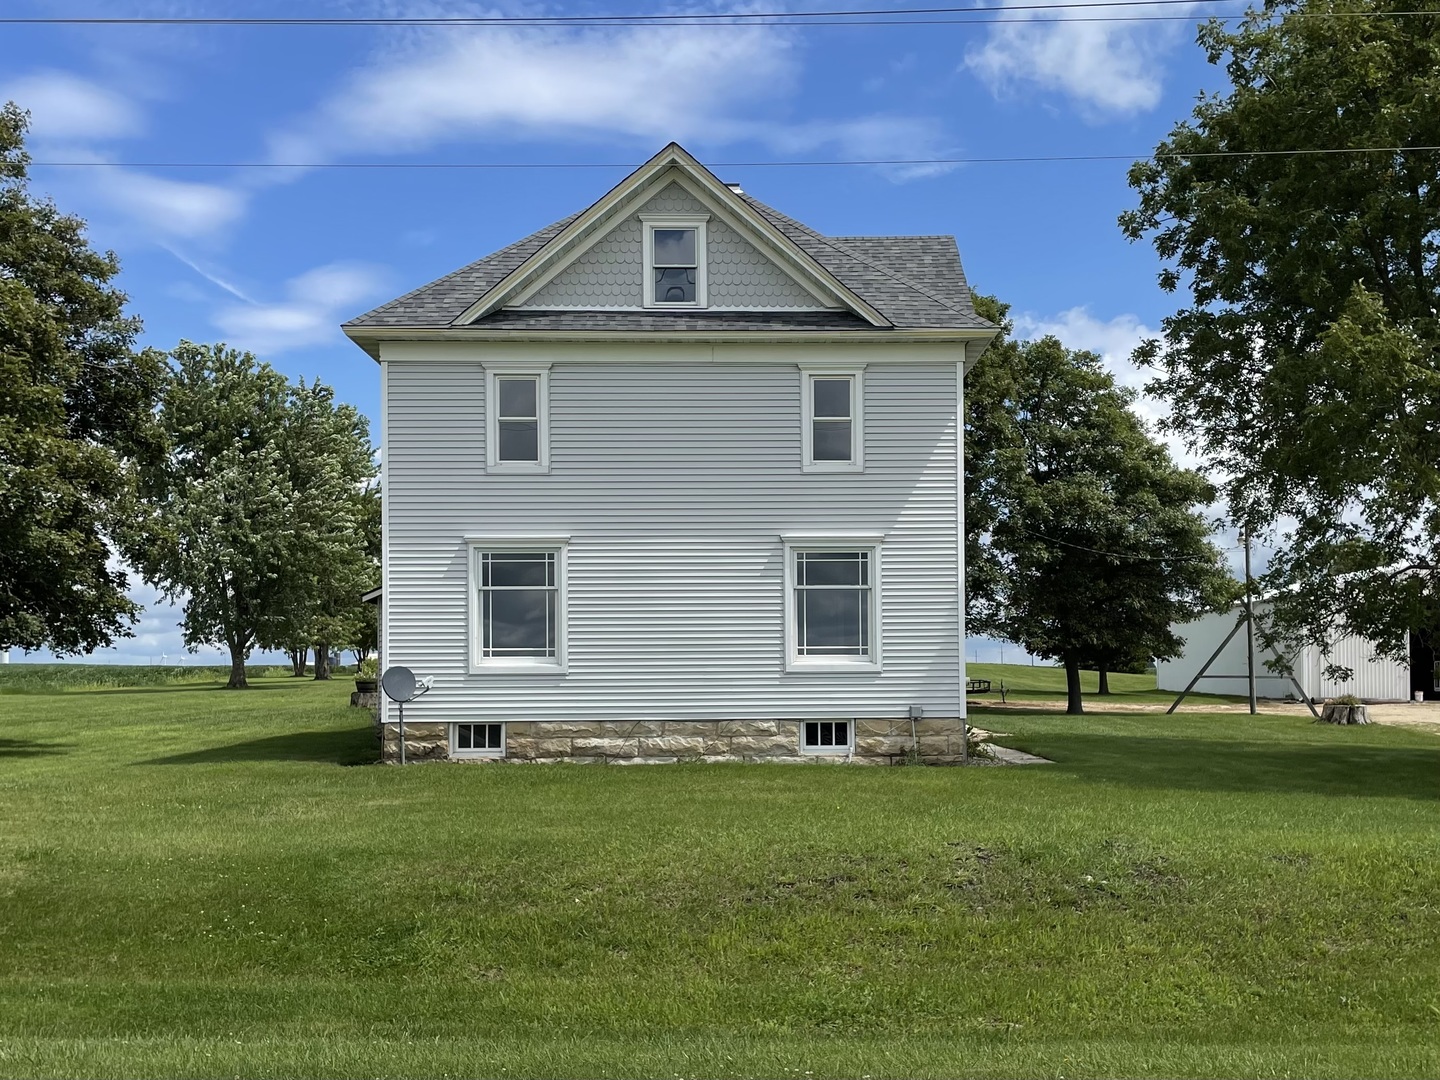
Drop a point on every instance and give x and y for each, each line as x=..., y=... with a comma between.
x=298, y=657
x=322, y=660
x=1074, y=705
x=237, y=669
x=1344, y=714
x=1104, y=681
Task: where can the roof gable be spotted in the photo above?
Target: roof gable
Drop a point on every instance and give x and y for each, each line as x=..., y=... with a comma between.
x=671, y=165
x=610, y=273
x=857, y=284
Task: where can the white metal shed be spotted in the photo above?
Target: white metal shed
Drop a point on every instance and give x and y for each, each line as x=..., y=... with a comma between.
x=1372, y=679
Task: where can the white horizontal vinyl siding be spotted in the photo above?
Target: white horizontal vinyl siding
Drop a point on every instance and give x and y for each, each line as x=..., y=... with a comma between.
x=674, y=481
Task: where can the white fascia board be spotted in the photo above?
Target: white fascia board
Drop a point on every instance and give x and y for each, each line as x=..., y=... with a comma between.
x=370, y=338
x=560, y=247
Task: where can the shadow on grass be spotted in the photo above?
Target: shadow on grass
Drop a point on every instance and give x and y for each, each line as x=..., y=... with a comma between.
x=349, y=746
x=1127, y=760
x=175, y=688
x=31, y=748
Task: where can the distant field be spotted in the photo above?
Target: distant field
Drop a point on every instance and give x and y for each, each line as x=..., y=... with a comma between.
x=49, y=678
x=197, y=882
x=1048, y=683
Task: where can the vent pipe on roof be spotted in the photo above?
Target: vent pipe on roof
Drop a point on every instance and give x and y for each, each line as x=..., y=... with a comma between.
x=736, y=188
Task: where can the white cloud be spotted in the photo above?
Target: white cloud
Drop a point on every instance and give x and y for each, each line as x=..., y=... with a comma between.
x=315, y=302
x=1108, y=67
x=72, y=117
x=65, y=106
x=649, y=83
x=873, y=138
x=176, y=208
x=643, y=85
x=1114, y=340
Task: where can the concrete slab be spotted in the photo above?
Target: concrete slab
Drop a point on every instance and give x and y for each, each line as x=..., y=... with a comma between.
x=1006, y=756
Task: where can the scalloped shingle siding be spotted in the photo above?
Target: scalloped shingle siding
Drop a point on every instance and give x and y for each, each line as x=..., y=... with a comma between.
x=606, y=276
x=609, y=275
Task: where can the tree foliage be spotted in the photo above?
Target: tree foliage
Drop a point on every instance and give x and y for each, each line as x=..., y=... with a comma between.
x=1306, y=365
x=326, y=449
x=75, y=421
x=257, y=515
x=1096, y=544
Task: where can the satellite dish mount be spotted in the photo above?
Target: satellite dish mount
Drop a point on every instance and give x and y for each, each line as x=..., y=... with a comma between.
x=400, y=686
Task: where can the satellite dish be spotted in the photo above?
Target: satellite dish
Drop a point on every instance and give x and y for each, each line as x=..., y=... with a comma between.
x=398, y=683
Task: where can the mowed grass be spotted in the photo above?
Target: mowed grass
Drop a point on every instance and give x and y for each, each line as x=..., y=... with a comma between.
x=207, y=883
x=1043, y=683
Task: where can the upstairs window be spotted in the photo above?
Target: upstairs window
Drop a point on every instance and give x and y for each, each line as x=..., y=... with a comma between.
x=518, y=415
x=675, y=265
x=674, y=262
x=833, y=408
x=517, y=412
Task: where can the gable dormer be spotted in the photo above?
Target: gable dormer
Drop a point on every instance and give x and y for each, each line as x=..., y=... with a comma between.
x=672, y=252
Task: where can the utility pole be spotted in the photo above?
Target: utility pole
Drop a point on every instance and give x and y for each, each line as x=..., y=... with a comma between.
x=1249, y=625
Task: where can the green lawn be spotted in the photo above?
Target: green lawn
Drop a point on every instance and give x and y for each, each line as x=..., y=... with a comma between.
x=207, y=883
x=1040, y=683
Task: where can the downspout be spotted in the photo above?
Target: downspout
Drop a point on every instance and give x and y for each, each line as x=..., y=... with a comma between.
x=960, y=553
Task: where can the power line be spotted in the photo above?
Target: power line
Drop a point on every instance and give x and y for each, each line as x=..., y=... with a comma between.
x=813, y=164
x=1117, y=554
x=957, y=16
x=631, y=19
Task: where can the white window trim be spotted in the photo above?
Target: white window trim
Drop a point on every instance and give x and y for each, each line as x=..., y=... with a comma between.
x=854, y=372
x=541, y=372
x=702, y=277
x=518, y=665
x=870, y=665
x=847, y=750
x=456, y=752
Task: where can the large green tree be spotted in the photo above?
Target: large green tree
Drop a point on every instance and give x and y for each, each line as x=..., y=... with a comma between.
x=260, y=514
x=1300, y=212
x=992, y=456
x=1097, y=543
x=325, y=446
x=221, y=507
x=75, y=422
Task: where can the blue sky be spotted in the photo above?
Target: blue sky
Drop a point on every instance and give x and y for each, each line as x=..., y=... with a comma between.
x=273, y=259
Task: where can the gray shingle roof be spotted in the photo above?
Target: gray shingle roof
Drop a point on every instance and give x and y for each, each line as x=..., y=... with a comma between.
x=439, y=302
x=914, y=281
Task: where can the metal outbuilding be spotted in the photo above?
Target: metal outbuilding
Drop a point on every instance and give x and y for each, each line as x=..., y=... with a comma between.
x=1373, y=678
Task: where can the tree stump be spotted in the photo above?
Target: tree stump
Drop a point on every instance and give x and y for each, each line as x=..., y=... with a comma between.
x=1344, y=714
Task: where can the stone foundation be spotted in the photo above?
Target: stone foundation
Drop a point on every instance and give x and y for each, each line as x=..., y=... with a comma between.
x=661, y=742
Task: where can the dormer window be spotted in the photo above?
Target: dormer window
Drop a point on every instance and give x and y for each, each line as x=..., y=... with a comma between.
x=674, y=261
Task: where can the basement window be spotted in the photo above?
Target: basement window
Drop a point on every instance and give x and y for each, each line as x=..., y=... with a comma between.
x=826, y=737
x=477, y=740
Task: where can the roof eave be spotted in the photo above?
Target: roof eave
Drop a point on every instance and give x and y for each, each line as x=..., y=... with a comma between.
x=974, y=340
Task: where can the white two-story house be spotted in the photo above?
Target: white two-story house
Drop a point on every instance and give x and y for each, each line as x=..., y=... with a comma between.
x=677, y=477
